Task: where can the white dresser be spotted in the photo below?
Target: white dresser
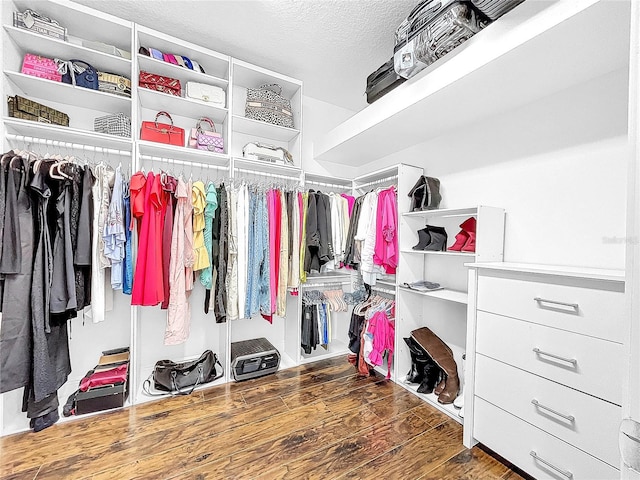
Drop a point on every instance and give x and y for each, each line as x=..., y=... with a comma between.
x=545, y=366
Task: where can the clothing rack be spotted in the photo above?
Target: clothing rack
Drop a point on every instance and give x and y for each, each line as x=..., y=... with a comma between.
x=383, y=290
x=266, y=174
x=69, y=145
x=329, y=185
x=377, y=182
x=324, y=284
x=182, y=162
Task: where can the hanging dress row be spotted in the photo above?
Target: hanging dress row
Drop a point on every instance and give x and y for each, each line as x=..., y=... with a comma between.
x=49, y=209
x=372, y=238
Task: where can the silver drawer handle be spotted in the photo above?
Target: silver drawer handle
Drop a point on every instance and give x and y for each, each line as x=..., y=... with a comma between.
x=566, y=473
x=571, y=418
x=572, y=361
x=575, y=306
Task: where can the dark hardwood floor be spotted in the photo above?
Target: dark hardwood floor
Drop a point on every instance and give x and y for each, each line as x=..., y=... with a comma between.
x=315, y=421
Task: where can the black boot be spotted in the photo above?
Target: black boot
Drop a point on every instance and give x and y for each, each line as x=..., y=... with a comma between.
x=418, y=194
x=423, y=239
x=418, y=362
x=437, y=239
x=433, y=375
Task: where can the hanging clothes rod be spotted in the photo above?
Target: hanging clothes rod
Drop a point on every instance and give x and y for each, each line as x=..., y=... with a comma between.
x=330, y=185
x=59, y=144
x=266, y=174
x=383, y=290
x=182, y=162
x=376, y=182
x=324, y=285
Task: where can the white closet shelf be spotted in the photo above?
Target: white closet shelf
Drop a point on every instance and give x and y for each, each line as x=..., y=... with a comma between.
x=44, y=90
x=53, y=48
x=432, y=399
x=252, y=76
x=153, y=65
x=448, y=295
x=183, y=154
x=83, y=22
x=65, y=134
x=447, y=253
x=266, y=167
x=184, y=107
x=536, y=50
x=214, y=63
x=444, y=212
x=263, y=129
x=386, y=283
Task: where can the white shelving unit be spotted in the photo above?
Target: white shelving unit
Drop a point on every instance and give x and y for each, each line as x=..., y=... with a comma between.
x=443, y=311
x=87, y=339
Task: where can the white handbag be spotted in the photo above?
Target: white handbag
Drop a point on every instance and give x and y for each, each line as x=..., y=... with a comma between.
x=206, y=93
x=267, y=153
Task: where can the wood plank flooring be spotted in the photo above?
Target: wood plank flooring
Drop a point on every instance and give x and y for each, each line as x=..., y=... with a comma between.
x=316, y=421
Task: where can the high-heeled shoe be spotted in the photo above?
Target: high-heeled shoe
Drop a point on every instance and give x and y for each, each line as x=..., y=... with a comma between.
x=462, y=238
x=470, y=228
x=438, y=240
x=423, y=239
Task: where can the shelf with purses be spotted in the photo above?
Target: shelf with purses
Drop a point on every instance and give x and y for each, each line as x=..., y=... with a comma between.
x=28, y=128
x=30, y=42
x=276, y=114
x=149, y=64
x=181, y=106
x=64, y=93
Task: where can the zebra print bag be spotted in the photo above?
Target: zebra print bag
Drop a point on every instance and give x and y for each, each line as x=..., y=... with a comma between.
x=266, y=104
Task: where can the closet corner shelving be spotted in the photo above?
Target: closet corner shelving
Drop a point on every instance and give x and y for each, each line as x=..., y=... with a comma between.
x=443, y=311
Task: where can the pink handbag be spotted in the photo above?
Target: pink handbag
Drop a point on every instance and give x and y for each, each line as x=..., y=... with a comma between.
x=41, y=67
x=200, y=139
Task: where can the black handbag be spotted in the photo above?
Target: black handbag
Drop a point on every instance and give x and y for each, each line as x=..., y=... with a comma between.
x=78, y=73
x=183, y=378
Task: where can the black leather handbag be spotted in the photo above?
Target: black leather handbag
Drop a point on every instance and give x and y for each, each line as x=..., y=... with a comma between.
x=183, y=378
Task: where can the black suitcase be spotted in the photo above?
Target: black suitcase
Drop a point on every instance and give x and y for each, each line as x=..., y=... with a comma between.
x=494, y=9
x=418, y=18
x=382, y=81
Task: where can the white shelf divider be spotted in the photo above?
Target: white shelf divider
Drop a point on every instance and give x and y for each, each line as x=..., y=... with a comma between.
x=263, y=129
x=444, y=294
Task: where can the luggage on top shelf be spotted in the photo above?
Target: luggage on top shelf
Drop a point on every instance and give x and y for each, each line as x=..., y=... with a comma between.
x=434, y=30
x=382, y=81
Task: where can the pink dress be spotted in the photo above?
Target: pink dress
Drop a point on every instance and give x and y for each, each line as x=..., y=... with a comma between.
x=386, y=246
x=178, y=313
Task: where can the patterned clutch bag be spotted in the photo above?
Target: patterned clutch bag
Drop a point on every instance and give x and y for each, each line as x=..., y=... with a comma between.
x=25, y=109
x=160, y=83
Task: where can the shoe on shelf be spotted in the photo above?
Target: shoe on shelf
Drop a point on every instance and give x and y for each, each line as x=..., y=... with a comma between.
x=438, y=239
x=459, y=401
x=423, y=239
x=466, y=238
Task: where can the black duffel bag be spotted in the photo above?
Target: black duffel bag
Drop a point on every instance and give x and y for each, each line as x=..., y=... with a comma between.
x=183, y=378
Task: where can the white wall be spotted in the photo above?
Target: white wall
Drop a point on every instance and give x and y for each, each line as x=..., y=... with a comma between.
x=558, y=167
x=318, y=118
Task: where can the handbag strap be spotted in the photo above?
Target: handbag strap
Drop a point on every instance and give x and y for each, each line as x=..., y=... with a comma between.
x=209, y=121
x=274, y=87
x=160, y=113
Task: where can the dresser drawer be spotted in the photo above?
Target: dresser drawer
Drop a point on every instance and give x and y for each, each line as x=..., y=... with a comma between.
x=583, y=309
x=516, y=440
x=598, y=363
x=595, y=423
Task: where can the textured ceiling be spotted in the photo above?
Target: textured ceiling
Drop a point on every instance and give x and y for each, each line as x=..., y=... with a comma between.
x=331, y=45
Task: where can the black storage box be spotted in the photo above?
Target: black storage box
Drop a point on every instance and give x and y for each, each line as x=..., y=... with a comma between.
x=103, y=398
x=253, y=358
x=108, y=396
